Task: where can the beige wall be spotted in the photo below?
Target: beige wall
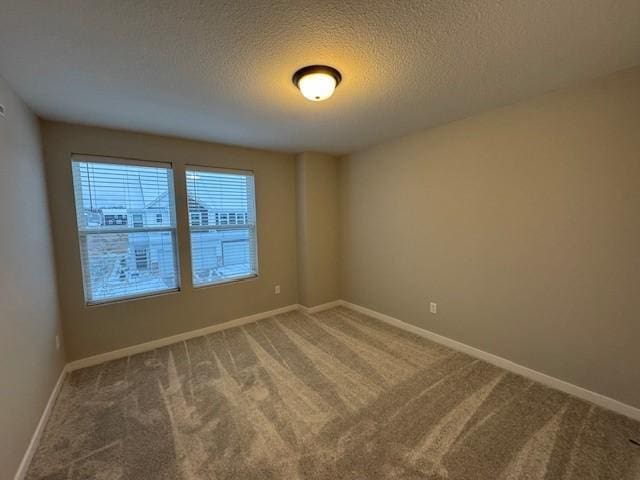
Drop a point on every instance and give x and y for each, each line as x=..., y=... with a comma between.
x=317, y=209
x=522, y=223
x=102, y=328
x=30, y=364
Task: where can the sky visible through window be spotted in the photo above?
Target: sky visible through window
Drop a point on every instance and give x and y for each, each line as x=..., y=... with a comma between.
x=120, y=186
x=131, y=186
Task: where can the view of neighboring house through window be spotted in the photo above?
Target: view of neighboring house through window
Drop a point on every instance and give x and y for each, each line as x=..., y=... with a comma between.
x=138, y=221
x=126, y=225
x=222, y=220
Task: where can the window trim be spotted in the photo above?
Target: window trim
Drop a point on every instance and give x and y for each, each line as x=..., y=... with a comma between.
x=211, y=169
x=130, y=298
x=82, y=233
x=97, y=158
x=227, y=281
x=216, y=226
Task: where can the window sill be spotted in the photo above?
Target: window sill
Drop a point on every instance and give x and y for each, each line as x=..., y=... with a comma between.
x=222, y=283
x=103, y=303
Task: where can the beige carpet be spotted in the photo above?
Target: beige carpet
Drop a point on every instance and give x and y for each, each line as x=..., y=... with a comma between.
x=335, y=395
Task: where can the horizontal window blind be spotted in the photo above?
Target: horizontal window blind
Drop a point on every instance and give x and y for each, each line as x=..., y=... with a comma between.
x=126, y=227
x=222, y=222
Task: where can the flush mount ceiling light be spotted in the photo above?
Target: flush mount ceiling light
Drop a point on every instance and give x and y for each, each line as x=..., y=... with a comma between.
x=317, y=82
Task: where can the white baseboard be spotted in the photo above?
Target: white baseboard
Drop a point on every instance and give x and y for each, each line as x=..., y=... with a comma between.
x=319, y=308
x=566, y=387
x=35, y=438
x=163, y=342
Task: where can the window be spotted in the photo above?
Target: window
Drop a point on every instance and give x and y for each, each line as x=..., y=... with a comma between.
x=117, y=218
x=226, y=249
x=142, y=259
x=122, y=260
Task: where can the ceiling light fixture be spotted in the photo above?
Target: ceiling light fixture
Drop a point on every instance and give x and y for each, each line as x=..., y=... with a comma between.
x=317, y=82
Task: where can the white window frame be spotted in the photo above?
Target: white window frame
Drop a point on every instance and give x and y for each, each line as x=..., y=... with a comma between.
x=226, y=226
x=84, y=232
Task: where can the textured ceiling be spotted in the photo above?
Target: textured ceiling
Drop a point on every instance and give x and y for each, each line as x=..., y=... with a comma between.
x=221, y=70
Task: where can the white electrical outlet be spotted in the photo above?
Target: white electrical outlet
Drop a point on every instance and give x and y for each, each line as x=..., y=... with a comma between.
x=57, y=342
x=277, y=290
x=433, y=307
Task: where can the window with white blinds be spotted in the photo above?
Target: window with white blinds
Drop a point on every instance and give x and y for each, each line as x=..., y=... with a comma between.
x=222, y=222
x=126, y=226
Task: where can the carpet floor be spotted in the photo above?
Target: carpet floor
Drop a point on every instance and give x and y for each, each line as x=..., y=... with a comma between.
x=334, y=395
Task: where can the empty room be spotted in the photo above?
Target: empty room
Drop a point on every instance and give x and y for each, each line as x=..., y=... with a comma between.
x=285, y=239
